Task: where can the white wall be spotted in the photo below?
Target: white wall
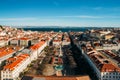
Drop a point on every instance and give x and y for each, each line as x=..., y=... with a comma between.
x=15, y=73
x=110, y=76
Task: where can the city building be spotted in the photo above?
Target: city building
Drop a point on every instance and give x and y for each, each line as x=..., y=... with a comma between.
x=14, y=66
x=24, y=41
x=7, y=52
x=36, y=49
x=56, y=78
x=103, y=67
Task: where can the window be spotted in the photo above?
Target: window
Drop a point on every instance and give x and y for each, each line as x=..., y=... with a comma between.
x=6, y=75
x=106, y=73
x=113, y=76
x=56, y=59
x=106, y=76
x=113, y=73
x=9, y=75
x=104, y=79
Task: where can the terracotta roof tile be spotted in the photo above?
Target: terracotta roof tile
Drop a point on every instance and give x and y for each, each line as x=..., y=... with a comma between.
x=109, y=68
x=36, y=46
x=4, y=52
x=24, y=38
x=17, y=60
x=58, y=78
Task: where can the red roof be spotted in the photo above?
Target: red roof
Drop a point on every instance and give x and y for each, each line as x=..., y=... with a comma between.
x=103, y=64
x=5, y=51
x=36, y=46
x=58, y=77
x=109, y=68
x=24, y=38
x=16, y=61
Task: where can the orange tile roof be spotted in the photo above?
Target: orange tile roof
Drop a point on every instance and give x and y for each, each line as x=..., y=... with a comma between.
x=24, y=38
x=5, y=51
x=102, y=63
x=17, y=60
x=57, y=78
x=15, y=39
x=11, y=59
x=36, y=46
x=109, y=68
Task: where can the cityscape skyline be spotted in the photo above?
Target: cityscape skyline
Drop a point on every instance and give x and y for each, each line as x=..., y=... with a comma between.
x=60, y=13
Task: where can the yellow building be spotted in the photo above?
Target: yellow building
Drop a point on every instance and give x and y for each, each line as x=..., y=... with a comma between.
x=109, y=36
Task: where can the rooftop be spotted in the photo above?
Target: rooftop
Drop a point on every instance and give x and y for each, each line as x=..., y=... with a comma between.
x=102, y=62
x=36, y=46
x=24, y=38
x=8, y=50
x=14, y=62
x=56, y=78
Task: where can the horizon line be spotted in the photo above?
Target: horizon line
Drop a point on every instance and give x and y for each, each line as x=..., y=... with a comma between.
x=33, y=26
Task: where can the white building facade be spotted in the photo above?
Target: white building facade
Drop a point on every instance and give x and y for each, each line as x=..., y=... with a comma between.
x=12, y=70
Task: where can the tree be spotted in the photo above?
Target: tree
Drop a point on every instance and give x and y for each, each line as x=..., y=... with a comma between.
x=21, y=74
x=46, y=49
x=2, y=64
x=0, y=26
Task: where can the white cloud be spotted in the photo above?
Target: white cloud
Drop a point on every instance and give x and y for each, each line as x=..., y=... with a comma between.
x=82, y=16
x=83, y=20
x=90, y=17
x=116, y=9
x=16, y=19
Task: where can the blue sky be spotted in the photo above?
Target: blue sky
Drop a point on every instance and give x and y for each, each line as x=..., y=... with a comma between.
x=60, y=12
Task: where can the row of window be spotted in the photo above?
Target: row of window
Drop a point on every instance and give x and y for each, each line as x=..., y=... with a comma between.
x=6, y=72
x=115, y=73
x=110, y=79
x=111, y=76
x=7, y=76
x=104, y=79
x=7, y=79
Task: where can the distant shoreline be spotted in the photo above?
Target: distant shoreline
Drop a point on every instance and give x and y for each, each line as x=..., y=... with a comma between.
x=66, y=29
x=62, y=27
